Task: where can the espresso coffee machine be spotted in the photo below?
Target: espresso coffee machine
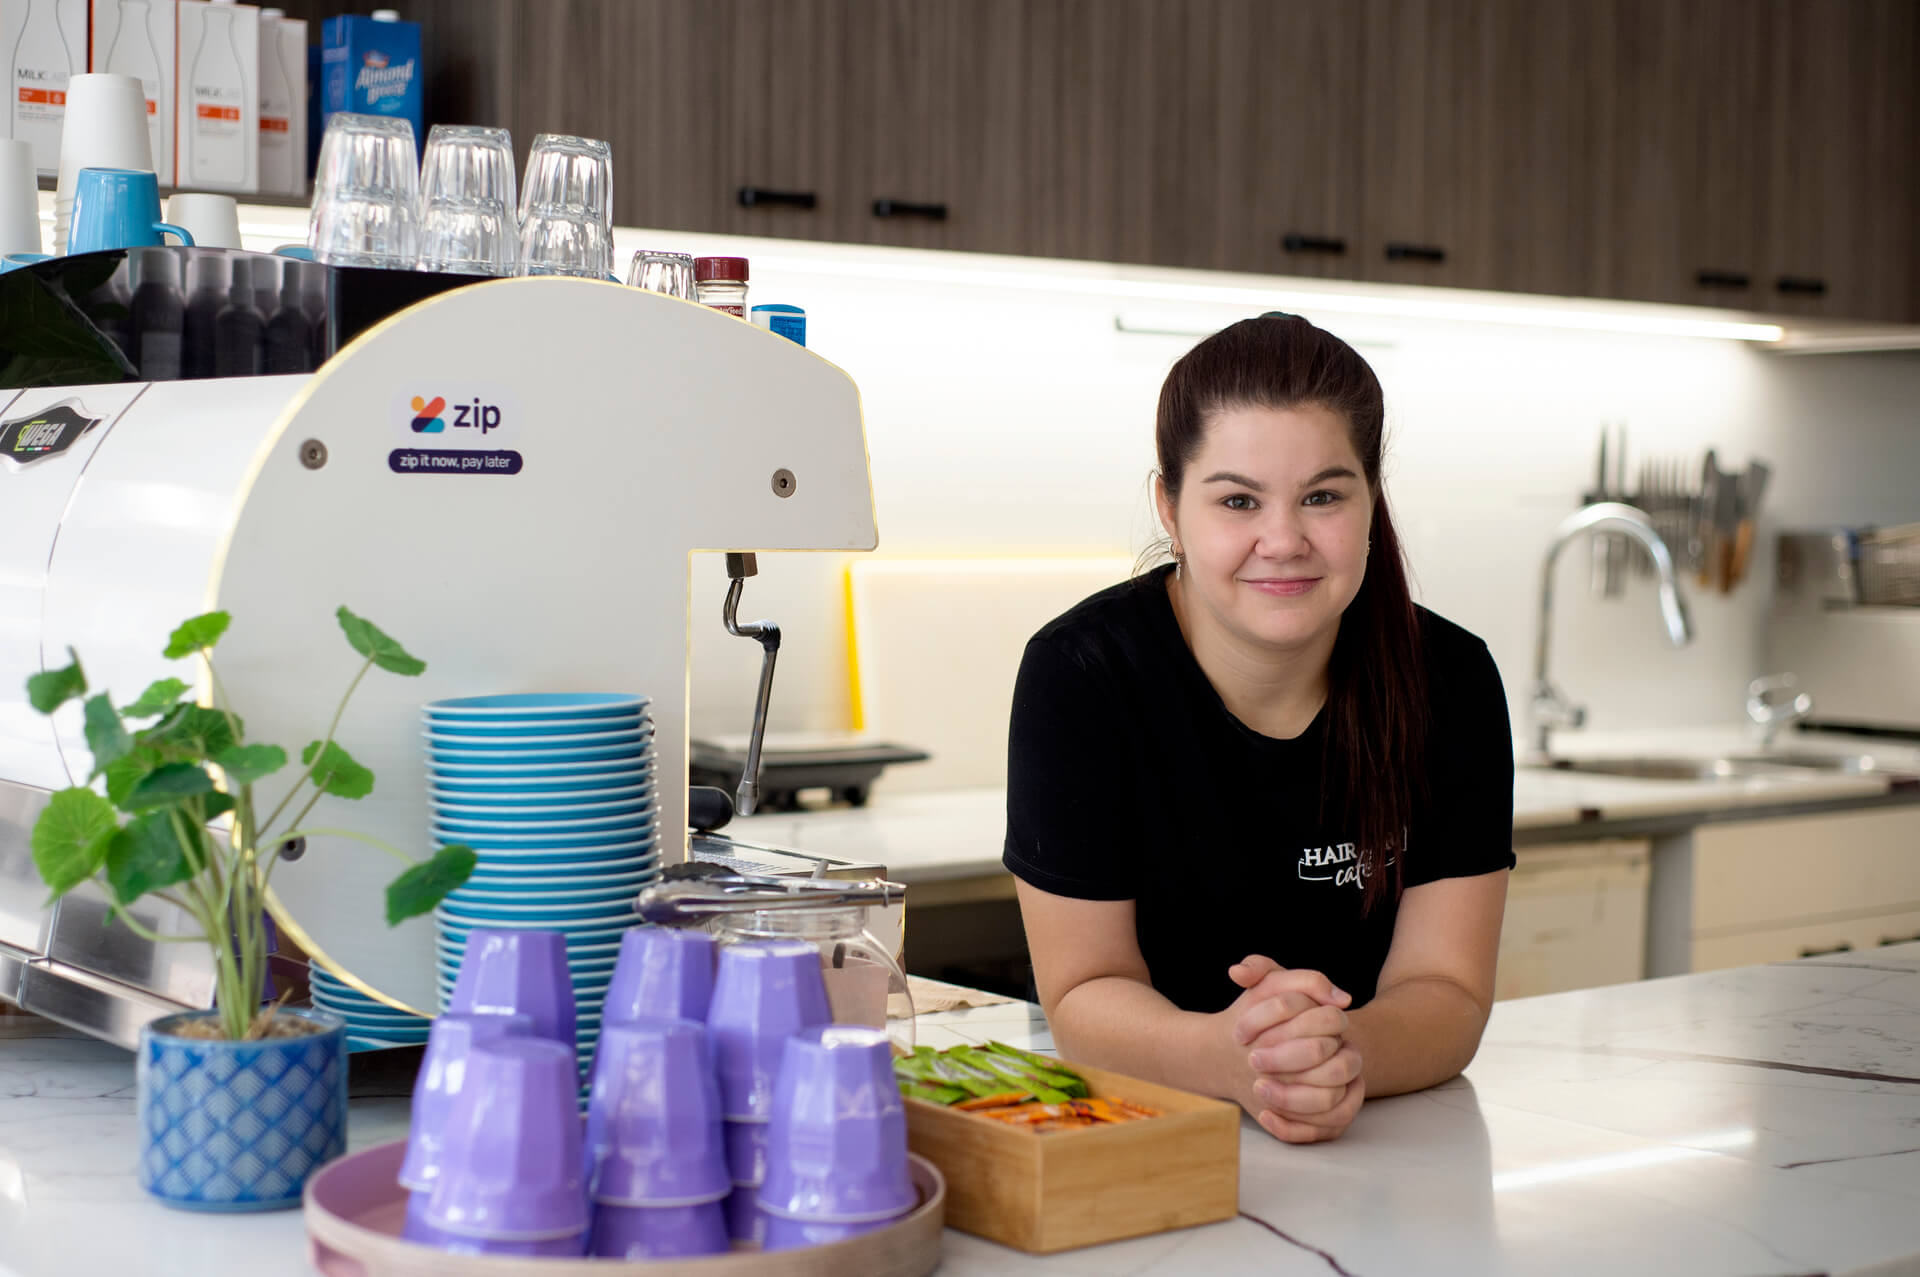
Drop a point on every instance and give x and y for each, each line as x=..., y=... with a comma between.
x=512, y=478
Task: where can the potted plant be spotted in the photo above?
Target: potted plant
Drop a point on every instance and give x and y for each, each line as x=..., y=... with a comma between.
x=239, y=1104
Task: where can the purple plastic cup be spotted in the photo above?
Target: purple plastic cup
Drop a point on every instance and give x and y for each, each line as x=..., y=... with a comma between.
x=435, y=1087
x=518, y=971
x=663, y=972
x=510, y=1161
x=746, y=1152
x=793, y=1234
x=550, y=1248
x=419, y=1229
x=745, y=1223
x=763, y=995
x=658, y=1232
x=653, y=1117
x=837, y=1145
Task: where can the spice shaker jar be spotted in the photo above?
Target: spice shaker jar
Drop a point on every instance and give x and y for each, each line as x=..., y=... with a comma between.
x=721, y=282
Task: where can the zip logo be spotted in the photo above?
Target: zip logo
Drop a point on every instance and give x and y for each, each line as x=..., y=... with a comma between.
x=426, y=415
x=430, y=415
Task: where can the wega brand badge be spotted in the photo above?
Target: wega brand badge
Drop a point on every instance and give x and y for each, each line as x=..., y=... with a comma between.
x=44, y=434
x=380, y=79
x=455, y=433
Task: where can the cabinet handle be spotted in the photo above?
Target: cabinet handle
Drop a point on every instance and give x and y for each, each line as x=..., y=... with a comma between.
x=907, y=208
x=1723, y=279
x=1842, y=947
x=1416, y=253
x=1294, y=242
x=1801, y=285
x=1887, y=940
x=756, y=196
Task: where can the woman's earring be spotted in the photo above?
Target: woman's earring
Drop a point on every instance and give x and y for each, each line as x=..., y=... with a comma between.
x=1179, y=561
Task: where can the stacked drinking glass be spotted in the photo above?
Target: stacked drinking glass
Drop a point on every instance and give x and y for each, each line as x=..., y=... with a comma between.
x=555, y=794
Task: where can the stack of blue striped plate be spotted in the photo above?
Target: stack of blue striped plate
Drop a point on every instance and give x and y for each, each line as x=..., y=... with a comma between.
x=370, y=1025
x=555, y=794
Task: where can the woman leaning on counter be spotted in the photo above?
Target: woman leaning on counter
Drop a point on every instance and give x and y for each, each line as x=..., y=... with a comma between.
x=1260, y=803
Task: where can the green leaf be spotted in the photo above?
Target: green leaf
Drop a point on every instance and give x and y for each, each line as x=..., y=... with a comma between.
x=368, y=640
x=217, y=803
x=70, y=838
x=106, y=734
x=195, y=633
x=123, y=775
x=146, y=856
x=245, y=764
x=336, y=773
x=167, y=785
x=192, y=729
x=157, y=699
x=49, y=690
x=422, y=887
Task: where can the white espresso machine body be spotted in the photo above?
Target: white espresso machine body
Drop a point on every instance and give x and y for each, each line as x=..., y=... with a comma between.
x=510, y=479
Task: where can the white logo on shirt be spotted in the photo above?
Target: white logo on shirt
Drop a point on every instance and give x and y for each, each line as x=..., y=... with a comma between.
x=1340, y=864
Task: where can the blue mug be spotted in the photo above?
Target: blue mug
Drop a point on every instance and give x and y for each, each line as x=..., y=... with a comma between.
x=14, y=261
x=117, y=208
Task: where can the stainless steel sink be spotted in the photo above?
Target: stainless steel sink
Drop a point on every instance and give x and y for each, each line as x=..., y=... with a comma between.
x=1784, y=763
x=1850, y=764
x=1649, y=768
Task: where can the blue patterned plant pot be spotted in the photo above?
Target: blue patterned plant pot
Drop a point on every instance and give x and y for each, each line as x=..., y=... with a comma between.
x=239, y=1126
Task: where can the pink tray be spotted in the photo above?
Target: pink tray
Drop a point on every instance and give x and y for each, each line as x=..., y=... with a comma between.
x=355, y=1208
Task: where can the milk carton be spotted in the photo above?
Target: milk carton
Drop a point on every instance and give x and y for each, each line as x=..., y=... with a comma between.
x=136, y=38
x=46, y=44
x=283, y=104
x=371, y=66
x=217, y=126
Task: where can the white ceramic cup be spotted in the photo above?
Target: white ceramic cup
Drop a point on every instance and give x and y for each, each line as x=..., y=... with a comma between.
x=105, y=127
x=19, y=199
x=212, y=220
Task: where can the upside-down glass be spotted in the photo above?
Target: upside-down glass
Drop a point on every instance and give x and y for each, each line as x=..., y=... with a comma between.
x=566, y=208
x=366, y=194
x=468, y=209
x=669, y=273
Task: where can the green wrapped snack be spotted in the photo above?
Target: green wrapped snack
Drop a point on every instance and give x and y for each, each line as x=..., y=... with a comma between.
x=1015, y=1078
x=931, y=1093
x=1049, y=1071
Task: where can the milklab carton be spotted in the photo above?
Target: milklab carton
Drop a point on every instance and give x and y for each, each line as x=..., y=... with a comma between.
x=46, y=42
x=283, y=104
x=217, y=126
x=371, y=66
x=136, y=38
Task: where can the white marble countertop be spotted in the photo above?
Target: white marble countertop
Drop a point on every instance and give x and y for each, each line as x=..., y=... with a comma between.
x=957, y=834
x=1764, y=1120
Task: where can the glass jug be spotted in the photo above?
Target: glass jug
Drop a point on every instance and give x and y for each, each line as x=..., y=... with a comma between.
x=861, y=975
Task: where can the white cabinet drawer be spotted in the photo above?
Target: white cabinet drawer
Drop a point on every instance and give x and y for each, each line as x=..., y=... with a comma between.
x=1576, y=918
x=1783, y=944
x=1804, y=869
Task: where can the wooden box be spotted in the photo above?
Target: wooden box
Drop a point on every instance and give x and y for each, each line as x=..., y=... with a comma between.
x=1061, y=1189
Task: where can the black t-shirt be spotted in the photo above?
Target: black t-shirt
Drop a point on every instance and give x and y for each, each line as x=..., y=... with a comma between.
x=1128, y=779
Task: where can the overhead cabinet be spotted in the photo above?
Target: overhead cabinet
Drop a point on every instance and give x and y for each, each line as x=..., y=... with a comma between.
x=1754, y=154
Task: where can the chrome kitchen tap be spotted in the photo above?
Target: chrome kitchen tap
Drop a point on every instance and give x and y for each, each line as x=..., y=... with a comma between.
x=1550, y=707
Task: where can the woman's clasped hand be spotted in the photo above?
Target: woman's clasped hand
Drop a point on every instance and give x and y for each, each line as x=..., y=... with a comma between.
x=1295, y=1071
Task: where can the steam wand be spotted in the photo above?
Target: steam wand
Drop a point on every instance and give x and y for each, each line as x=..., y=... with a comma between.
x=740, y=567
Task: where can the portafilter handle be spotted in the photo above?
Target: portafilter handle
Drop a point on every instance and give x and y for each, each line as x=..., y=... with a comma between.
x=694, y=900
